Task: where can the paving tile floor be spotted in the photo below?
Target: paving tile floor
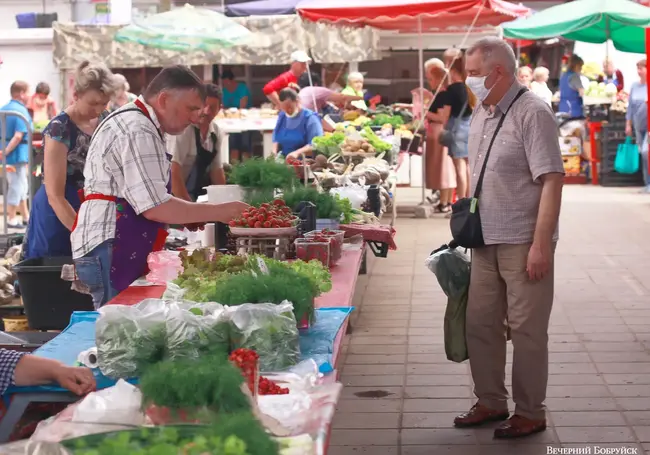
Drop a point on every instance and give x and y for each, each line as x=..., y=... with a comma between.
x=599, y=382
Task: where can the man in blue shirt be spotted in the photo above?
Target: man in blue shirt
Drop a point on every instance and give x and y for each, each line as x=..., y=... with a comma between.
x=16, y=153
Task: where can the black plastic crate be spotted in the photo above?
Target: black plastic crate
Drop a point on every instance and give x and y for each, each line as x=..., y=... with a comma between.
x=614, y=179
x=49, y=301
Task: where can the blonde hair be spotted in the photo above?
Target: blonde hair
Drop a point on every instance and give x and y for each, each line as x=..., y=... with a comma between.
x=95, y=76
x=121, y=83
x=524, y=69
x=540, y=73
x=433, y=63
x=439, y=73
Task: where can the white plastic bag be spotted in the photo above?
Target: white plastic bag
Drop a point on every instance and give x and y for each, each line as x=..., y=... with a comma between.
x=119, y=404
x=356, y=194
x=114, y=408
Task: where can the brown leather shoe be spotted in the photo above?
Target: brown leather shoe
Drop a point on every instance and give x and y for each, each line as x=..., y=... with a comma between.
x=518, y=427
x=479, y=415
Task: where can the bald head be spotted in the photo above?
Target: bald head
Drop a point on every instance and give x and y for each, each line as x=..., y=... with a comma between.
x=494, y=51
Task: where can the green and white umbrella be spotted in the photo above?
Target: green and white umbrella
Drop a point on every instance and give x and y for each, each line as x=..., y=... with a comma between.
x=590, y=21
x=186, y=29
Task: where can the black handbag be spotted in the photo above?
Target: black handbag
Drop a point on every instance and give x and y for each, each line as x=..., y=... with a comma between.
x=446, y=137
x=465, y=221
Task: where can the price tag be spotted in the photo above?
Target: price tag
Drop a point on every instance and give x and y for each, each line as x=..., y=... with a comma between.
x=262, y=265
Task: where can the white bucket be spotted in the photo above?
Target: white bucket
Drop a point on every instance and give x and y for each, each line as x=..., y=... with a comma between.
x=219, y=194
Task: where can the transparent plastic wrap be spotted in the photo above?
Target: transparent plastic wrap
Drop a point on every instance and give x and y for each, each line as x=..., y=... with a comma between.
x=173, y=292
x=114, y=408
x=196, y=328
x=307, y=411
x=164, y=266
x=452, y=268
x=130, y=338
x=268, y=329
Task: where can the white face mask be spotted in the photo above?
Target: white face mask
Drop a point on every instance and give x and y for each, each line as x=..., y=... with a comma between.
x=296, y=111
x=477, y=85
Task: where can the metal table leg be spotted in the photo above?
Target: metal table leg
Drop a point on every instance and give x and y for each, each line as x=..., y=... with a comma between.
x=18, y=406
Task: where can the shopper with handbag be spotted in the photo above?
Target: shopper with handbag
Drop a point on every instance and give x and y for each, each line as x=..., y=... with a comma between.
x=456, y=133
x=511, y=222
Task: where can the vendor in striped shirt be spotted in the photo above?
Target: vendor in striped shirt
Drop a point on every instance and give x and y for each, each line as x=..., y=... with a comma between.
x=128, y=202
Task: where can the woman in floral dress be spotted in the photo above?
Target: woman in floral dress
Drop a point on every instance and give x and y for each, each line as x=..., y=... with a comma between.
x=66, y=140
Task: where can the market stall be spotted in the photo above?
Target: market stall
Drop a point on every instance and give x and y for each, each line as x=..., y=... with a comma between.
x=419, y=17
x=286, y=317
x=623, y=22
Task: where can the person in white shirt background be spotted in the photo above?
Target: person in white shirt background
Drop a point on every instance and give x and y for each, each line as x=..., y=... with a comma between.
x=539, y=85
x=196, y=160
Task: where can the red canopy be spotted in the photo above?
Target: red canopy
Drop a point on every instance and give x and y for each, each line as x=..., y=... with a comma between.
x=404, y=15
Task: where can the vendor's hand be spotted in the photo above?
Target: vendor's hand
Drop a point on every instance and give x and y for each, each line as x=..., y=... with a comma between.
x=295, y=155
x=628, y=130
x=78, y=380
x=539, y=261
x=230, y=210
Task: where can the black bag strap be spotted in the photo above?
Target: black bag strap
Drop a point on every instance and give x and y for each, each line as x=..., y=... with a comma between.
x=479, y=184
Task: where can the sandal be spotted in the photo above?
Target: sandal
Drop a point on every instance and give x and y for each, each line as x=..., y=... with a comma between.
x=440, y=208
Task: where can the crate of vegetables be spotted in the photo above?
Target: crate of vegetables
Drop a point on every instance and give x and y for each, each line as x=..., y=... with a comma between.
x=266, y=220
x=311, y=248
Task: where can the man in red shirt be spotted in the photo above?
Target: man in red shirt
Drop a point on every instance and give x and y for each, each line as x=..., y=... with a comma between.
x=299, y=61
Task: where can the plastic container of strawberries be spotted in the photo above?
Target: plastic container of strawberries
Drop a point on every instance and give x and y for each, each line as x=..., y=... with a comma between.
x=308, y=249
x=336, y=239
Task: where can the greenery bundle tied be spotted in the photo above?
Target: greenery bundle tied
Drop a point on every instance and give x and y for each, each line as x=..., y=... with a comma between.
x=280, y=284
x=210, y=382
x=263, y=174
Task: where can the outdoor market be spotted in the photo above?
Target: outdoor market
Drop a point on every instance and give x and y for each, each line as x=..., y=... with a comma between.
x=200, y=304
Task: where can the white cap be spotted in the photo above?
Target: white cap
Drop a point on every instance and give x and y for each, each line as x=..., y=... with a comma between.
x=300, y=56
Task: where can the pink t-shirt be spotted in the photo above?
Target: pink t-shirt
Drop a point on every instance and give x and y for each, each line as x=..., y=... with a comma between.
x=308, y=94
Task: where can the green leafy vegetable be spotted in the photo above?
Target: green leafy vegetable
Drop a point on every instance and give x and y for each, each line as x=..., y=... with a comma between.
x=383, y=119
x=374, y=140
x=326, y=204
x=210, y=382
x=346, y=209
x=263, y=174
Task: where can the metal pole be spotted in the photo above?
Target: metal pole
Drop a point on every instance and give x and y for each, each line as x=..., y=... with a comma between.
x=421, y=65
x=5, y=186
x=3, y=144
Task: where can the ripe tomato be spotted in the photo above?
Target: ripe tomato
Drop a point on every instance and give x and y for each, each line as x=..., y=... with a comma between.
x=232, y=223
x=261, y=218
x=251, y=223
x=257, y=224
x=266, y=224
x=279, y=202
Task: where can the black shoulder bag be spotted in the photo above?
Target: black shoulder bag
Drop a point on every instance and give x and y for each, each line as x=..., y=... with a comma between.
x=465, y=222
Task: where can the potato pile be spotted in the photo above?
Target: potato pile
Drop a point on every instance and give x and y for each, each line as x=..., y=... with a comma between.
x=356, y=146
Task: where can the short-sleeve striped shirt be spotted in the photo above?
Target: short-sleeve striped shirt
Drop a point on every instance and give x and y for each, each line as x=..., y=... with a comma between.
x=525, y=148
x=127, y=158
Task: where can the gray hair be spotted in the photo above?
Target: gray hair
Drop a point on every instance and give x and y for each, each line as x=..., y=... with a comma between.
x=121, y=82
x=355, y=76
x=95, y=76
x=433, y=63
x=495, y=51
x=540, y=73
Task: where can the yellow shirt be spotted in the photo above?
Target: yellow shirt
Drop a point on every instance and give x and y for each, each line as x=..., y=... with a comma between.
x=360, y=104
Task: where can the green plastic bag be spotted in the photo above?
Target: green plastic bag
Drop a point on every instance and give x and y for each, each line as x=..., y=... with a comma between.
x=452, y=269
x=627, y=158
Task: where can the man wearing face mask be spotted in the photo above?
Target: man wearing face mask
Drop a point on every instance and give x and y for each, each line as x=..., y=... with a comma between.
x=512, y=275
x=195, y=152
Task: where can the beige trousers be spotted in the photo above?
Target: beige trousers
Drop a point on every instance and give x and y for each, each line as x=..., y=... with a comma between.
x=500, y=290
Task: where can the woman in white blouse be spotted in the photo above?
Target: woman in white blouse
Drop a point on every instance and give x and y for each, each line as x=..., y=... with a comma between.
x=539, y=87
